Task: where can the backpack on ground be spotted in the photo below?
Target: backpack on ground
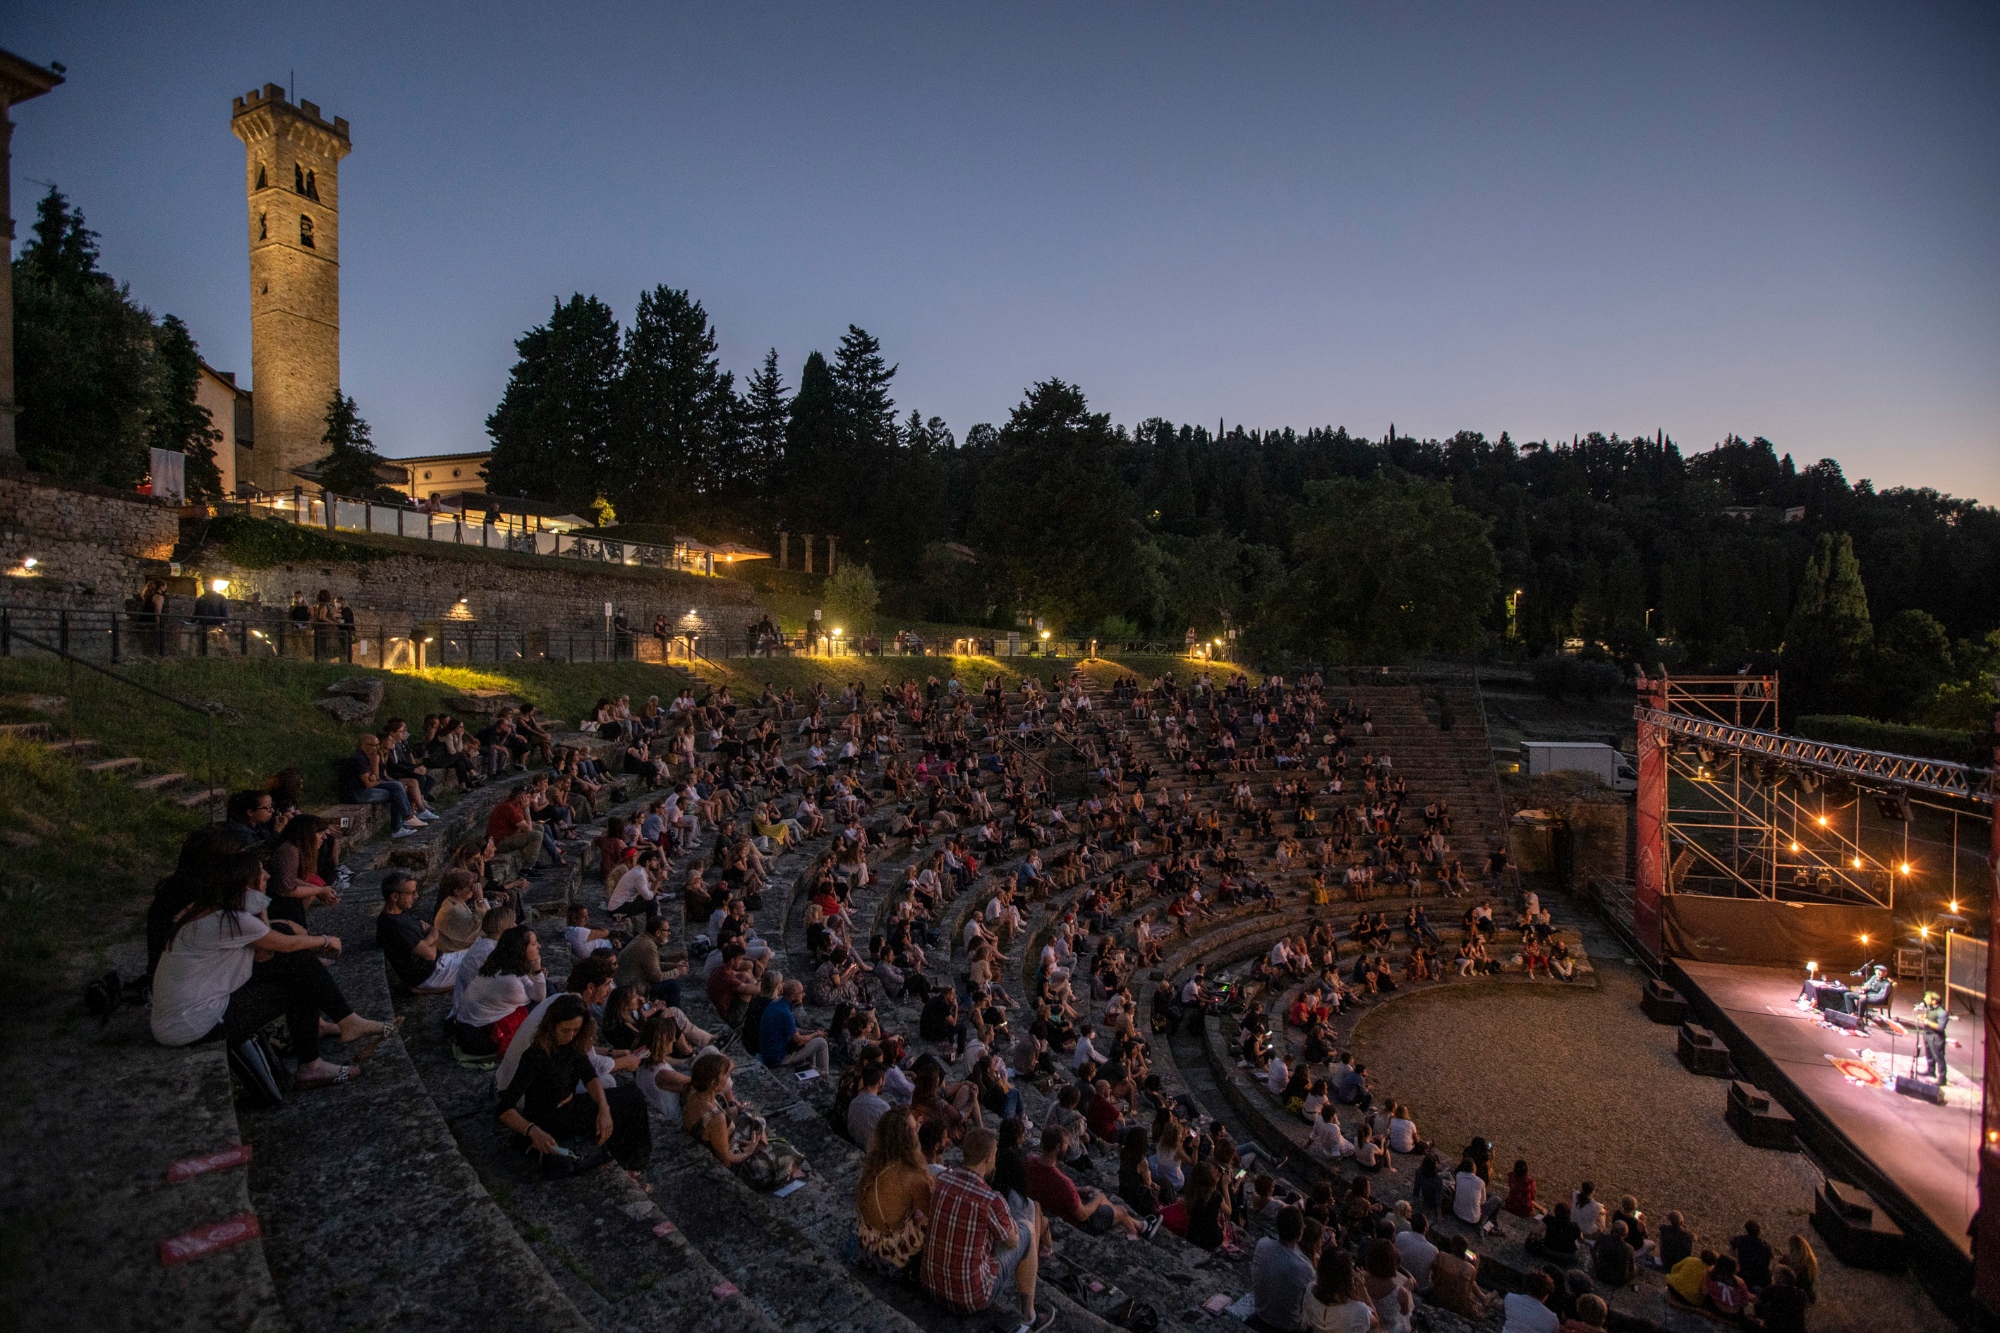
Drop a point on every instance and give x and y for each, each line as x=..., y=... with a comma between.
x=255, y=1070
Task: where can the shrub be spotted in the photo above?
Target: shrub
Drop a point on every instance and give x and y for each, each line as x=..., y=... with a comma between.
x=1866, y=733
x=1565, y=677
x=264, y=543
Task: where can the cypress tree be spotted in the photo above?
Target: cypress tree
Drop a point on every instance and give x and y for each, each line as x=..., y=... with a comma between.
x=83, y=357
x=765, y=411
x=349, y=466
x=676, y=420
x=552, y=430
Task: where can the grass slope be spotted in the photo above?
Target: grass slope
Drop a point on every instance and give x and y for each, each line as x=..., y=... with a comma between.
x=82, y=854
x=750, y=674
x=280, y=728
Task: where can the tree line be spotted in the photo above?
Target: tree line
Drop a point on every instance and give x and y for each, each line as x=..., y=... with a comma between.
x=1318, y=544
x=99, y=379
x=1310, y=544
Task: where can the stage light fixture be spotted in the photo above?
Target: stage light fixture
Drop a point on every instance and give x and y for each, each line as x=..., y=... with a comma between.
x=1795, y=847
x=1857, y=863
x=1895, y=807
x=1707, y=755
x=1822, y=821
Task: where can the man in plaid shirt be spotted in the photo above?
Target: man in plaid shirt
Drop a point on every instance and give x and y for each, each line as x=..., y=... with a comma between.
x=974, y=1239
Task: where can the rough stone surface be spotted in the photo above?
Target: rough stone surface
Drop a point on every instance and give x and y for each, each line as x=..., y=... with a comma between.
x=344, y=708
x=545, y=594
x=368, y=689
x=91, y=545
x=92, y=1185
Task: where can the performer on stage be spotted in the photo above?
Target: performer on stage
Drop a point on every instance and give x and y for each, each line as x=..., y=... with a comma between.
x=1932, y=1017
x=1874, y=994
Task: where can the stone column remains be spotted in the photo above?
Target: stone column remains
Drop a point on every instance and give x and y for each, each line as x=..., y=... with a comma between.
x=807, y=537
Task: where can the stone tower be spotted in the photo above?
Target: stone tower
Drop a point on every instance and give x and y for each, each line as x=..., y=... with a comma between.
x=292, y=174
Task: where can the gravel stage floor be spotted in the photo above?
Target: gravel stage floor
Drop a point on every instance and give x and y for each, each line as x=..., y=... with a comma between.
x=1582, y=1085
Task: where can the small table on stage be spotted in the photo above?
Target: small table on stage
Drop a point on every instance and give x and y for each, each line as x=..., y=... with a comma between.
x=1833, y=995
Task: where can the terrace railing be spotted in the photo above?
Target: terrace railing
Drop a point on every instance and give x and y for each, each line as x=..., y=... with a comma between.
x=522, y=534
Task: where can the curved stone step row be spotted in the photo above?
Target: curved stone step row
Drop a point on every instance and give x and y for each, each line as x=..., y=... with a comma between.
x=373, y=1215
x=1163, y=1273
x=1157, y=1273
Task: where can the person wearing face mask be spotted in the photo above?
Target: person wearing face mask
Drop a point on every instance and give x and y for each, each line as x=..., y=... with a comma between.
x=226, y=972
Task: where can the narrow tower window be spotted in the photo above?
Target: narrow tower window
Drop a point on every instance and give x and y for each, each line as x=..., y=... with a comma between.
x=305, y=231
x=261, y=183
x=298, y=179
x=312, y=186
x=263, y=227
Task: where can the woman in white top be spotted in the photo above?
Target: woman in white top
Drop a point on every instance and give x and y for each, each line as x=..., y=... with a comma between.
x=1402, y=1131
x=660, y=1081
x=1387, y=1288
x=1167, y=1163
x=633, y=895
x=226, y=972
x=510, y=982
x=1585, y=1210
x=1332, y=1305
x=1326, y=1142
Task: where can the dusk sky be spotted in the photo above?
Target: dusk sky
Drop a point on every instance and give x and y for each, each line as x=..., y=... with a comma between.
x=1545, y=220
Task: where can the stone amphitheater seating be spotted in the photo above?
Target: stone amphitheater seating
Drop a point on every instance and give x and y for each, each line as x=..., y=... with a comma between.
x=399, y=1201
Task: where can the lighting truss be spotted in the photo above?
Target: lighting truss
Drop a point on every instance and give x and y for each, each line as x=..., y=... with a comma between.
x=1871, y=767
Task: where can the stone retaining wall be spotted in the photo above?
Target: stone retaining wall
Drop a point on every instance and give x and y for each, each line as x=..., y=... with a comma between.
x=90, y=544
x=565, y=595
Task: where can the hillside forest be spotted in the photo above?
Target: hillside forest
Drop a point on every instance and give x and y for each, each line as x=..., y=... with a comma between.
x=1589, y=556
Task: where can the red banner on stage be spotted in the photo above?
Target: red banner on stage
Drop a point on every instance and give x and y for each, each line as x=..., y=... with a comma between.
x=1650, y=865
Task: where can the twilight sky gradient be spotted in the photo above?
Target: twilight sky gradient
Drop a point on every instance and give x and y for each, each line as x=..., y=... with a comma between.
x=1774, y=219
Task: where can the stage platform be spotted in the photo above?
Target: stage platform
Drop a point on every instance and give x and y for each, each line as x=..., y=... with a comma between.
x=1917, y=1158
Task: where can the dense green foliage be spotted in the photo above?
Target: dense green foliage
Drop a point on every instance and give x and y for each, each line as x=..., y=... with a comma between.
x=265, y=543
x=99, y=380
x=348, y=468
x=1895, y=738
x=1311, y=544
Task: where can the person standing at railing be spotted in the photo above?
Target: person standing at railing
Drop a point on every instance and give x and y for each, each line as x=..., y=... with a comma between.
x=152, y=609
x=211, y=613
x=345, y=615
x=323, y=621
